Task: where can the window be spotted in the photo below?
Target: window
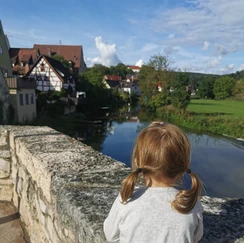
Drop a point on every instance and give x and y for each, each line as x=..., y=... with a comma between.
x=27, y=99
x=1, y=50
x=42, y=67
x=32, y=98
x=21, y=100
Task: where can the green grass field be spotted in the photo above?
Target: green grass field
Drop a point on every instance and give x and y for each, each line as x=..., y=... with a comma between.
x=215, y=116
x=217, y=107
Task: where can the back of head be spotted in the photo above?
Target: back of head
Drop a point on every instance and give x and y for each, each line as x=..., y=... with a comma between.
x=162, y=152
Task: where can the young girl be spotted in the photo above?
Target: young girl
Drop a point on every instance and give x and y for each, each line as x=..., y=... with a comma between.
x=157, y=212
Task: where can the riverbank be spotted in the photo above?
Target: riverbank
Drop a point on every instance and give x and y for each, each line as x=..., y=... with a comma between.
x=215, y=116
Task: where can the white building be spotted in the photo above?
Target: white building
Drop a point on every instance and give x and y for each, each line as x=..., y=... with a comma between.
x=50, y=74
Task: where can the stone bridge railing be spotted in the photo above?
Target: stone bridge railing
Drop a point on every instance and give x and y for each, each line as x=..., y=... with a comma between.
x=64, y=189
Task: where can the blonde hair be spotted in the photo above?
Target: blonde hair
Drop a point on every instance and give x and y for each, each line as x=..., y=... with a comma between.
x=162, y=151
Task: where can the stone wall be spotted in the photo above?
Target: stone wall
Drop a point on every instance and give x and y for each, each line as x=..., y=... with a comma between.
x=64, y=189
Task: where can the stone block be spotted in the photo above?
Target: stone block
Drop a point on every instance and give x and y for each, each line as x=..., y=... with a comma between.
x=3, y=138
x=14, y=173
x=6, y=192
x=24, y=213
x=69, y=234
x=14, y=160
x=51, y=230
x=4, y=168
x=43, y=206
x=5, y=154
x=42, y=219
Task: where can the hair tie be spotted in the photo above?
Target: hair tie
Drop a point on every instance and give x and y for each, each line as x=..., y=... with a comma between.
x=139, y=170
x=188, y=171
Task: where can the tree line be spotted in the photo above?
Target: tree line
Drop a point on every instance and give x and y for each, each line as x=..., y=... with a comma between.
x=160, y=86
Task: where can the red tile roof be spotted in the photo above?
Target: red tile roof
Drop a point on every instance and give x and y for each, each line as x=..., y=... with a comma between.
x=112, y=77
x=24, y=54
x=69, y=53
x=134, y=67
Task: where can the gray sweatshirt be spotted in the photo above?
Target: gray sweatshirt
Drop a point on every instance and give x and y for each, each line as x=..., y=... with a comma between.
x=148, y=217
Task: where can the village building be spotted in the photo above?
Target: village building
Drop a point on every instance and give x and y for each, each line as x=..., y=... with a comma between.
x=5, y=63
x=112, y=81
x=73, y=54
x=22, y=98
x=23, y=59
x=132, y=77
x=4, y=99
x=129, y=87
x=49, y=74
x=135, y=69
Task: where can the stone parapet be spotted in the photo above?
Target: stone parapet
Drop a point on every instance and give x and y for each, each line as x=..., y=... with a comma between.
x=64, y=189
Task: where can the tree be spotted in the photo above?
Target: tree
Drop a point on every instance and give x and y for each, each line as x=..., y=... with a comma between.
x=61, y=59
x=95, y=75
x=180, y=97
x=205, y=89
x=239, y=89
x=153, y=75
x=120, y=70
x=223, y=87
x=179, y=80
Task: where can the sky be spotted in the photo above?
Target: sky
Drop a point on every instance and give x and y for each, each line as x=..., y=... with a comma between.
x=196, y=35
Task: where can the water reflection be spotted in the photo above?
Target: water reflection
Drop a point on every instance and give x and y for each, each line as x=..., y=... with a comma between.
x=217, y=160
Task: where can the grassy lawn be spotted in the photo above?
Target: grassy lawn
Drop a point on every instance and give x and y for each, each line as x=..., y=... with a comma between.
x=217, y=107
x=215, y=116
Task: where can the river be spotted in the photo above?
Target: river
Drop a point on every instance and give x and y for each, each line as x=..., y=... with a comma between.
x=219, y=161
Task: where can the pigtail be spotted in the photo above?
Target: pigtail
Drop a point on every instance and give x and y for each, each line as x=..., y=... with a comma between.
x=128, y=185
x=185, y=200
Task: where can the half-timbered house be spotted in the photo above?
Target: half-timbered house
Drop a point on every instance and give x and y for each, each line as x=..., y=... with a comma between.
x=50, y=74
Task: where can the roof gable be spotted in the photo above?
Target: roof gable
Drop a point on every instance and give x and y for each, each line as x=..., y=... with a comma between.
x=57, y=67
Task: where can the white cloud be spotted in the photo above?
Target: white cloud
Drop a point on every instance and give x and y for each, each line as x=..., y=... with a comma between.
x=227, y=69
x=169, y=50
x=205, y=45
x=220, y=49
x=149, y=47
x=213, y=63
x=241, y=67
x=221, y=23
x=139, y=63
x=170, y=36
x=108, y=56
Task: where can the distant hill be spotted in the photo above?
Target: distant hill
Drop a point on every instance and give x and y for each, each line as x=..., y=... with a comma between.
x=238, y=75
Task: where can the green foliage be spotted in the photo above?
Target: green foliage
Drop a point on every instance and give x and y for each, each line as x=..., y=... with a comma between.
x=61, y=59
x=152, y=75
x=95, y=76
x=224, y=87
x=205, y=89
x=180, y=98
x=179, y=80
x=120, y=70
x=239, y=90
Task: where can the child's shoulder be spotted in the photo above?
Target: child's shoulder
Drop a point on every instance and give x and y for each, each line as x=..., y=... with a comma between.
x=198, y=208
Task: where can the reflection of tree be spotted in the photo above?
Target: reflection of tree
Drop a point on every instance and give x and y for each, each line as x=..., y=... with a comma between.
x=95, y=135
